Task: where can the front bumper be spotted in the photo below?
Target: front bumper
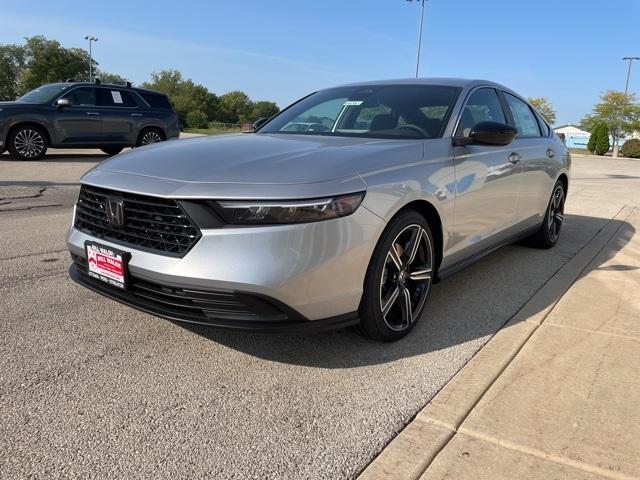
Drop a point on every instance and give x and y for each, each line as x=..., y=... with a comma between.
x=294, y=275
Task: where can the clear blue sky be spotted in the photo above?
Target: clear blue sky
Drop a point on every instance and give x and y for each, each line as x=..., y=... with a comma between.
x=567, y=50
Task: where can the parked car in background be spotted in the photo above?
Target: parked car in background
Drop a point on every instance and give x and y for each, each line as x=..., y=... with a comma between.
x=85, y=115
x=398, y=184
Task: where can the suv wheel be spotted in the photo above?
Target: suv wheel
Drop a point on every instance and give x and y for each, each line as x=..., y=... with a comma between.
x=27, y=143
x=149, y=136
x=398, y=279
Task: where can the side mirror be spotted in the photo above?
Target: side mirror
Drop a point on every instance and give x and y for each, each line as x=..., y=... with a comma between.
x=488, y=133
x=260, y=122
x=63, y=102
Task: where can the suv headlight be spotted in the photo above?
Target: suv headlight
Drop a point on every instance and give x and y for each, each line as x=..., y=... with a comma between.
x=259, y=212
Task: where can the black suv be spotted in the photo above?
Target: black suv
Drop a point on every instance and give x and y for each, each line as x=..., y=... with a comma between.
x=85, y=115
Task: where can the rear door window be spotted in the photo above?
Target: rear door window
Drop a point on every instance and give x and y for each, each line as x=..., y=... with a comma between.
x=523, y=117
x=110, y=97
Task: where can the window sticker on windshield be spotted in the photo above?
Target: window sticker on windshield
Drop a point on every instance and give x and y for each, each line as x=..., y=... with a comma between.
x=117, y=98
x=353, y=102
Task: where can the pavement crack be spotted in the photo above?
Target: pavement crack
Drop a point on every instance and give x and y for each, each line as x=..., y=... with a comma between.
x=19, y=209
x=23, y=197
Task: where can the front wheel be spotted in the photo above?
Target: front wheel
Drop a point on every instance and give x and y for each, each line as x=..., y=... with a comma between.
x=549, y=231
x=27, y=143
x=149, y=136
x=398, y=278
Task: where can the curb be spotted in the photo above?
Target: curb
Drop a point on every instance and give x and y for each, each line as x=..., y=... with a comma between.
x=411, y=452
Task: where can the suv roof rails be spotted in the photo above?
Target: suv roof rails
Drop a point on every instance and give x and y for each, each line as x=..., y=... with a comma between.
x=70, y=80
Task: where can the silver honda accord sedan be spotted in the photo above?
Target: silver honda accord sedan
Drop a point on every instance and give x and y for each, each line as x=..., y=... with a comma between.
x=343, y=209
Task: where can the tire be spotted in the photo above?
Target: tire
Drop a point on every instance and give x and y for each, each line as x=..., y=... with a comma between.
x=396, y=285
x=150, y=135
x=27, y=142
x=112, y=150
x=549, y=231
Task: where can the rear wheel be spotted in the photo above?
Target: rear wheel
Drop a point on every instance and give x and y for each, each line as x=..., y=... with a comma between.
x=549, y=231
x=27, y=142
x=112, y=150
x=149, y=136
x=398, y=279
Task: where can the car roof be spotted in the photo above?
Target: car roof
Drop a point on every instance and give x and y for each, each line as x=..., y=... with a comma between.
x=104, y=84
x=444, y=81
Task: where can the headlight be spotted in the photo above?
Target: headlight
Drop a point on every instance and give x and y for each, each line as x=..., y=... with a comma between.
x=278, y=212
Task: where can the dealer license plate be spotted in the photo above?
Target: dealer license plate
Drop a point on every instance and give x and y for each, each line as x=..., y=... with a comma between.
x=107, y=264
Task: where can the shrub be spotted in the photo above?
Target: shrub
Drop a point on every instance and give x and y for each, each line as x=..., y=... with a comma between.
x=602, y=140
x=197, y=119
x=591, y=145
x=631, y=148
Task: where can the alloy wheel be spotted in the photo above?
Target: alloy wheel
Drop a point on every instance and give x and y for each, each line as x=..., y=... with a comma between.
x=406, y=277
x=150, y=137
x=29, y=143
x=556, y=213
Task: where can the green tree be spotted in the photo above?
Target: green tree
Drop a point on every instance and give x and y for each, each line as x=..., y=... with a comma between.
x=263, y=109
x=591, y=144
x=111, y=77
x=608, y=112
x=196, y=119
x=48, y=62
x=235, y=107
x=602, y=141
x=545, y=108
x=185, y=95
x=12, y=63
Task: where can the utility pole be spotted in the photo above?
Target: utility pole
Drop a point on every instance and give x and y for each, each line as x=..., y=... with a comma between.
x=91, y=39
x=419, y=34
x=616, y=146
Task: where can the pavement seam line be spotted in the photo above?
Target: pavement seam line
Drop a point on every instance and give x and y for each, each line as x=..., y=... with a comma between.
x=537, y=453
x=587, y=330
x=537, y=326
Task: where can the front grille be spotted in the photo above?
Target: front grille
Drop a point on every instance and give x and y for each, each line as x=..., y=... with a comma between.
x=154, y=224
x=202, y=306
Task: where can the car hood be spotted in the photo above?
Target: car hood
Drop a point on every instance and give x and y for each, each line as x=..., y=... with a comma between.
x=263, y=158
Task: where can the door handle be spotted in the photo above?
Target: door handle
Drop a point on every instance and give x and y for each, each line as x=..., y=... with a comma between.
x=514, y=158
x=551, y=153
x=136, y=114
x=93, y=113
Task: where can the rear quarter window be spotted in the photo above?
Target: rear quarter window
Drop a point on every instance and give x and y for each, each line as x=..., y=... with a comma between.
x=156, y=100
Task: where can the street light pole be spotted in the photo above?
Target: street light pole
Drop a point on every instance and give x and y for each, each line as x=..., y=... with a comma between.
x=91, y=39
x=616, y=147
x=419, y=35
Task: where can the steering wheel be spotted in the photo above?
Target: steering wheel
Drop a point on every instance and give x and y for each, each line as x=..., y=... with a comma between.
x=416, y=128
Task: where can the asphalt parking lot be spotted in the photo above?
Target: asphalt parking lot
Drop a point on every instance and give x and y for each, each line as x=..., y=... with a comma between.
x=93, y=389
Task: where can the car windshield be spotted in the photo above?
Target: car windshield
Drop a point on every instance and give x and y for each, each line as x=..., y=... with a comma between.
x=376, y=111
x=44, y=93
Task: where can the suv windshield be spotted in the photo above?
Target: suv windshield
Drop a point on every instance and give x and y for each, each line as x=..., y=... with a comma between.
x=376, y=111
x=44, y=93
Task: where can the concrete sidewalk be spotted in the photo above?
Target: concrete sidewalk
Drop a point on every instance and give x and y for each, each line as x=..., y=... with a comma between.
x=555, y=394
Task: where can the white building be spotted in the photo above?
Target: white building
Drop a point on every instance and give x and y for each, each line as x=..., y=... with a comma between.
x=574, y=137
